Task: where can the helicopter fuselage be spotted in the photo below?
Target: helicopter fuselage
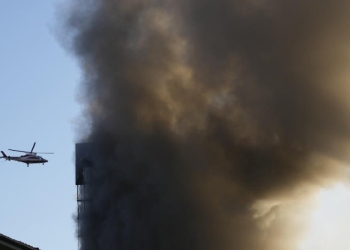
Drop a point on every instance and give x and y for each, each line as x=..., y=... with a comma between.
x=29, y=158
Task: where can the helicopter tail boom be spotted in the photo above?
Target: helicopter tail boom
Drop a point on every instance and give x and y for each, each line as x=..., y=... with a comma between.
x=4, y=155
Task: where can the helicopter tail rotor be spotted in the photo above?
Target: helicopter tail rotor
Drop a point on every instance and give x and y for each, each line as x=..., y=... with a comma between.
x=5, y=156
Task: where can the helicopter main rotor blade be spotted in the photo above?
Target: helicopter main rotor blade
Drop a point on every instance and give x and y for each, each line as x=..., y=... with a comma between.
x=19, y=151
x=30, y=152
x=33, y=147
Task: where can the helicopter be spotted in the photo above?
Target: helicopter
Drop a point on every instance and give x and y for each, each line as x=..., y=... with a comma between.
x=29, y=158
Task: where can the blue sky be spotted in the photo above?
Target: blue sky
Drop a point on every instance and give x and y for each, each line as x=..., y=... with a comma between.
x=39, y=84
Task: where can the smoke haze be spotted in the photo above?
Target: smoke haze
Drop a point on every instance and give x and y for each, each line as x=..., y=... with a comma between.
x=218, y=119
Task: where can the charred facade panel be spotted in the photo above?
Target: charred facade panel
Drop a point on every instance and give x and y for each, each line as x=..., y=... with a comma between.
x=85, y=160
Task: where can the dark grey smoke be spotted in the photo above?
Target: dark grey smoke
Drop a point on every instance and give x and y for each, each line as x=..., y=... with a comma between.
x=219, y=118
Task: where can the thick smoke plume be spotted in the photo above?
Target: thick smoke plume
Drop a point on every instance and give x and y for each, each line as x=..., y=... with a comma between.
x=217, y=119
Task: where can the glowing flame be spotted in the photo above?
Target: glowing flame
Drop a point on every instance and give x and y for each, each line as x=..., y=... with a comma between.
x=330, y=225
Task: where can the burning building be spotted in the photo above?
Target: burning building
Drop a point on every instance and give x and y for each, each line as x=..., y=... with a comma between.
x=213, y=122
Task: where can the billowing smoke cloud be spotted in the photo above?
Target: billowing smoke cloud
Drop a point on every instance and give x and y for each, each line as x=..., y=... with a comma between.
x=218, y=119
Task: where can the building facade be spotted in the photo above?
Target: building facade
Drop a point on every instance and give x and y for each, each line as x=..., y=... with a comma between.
x=7, y=243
